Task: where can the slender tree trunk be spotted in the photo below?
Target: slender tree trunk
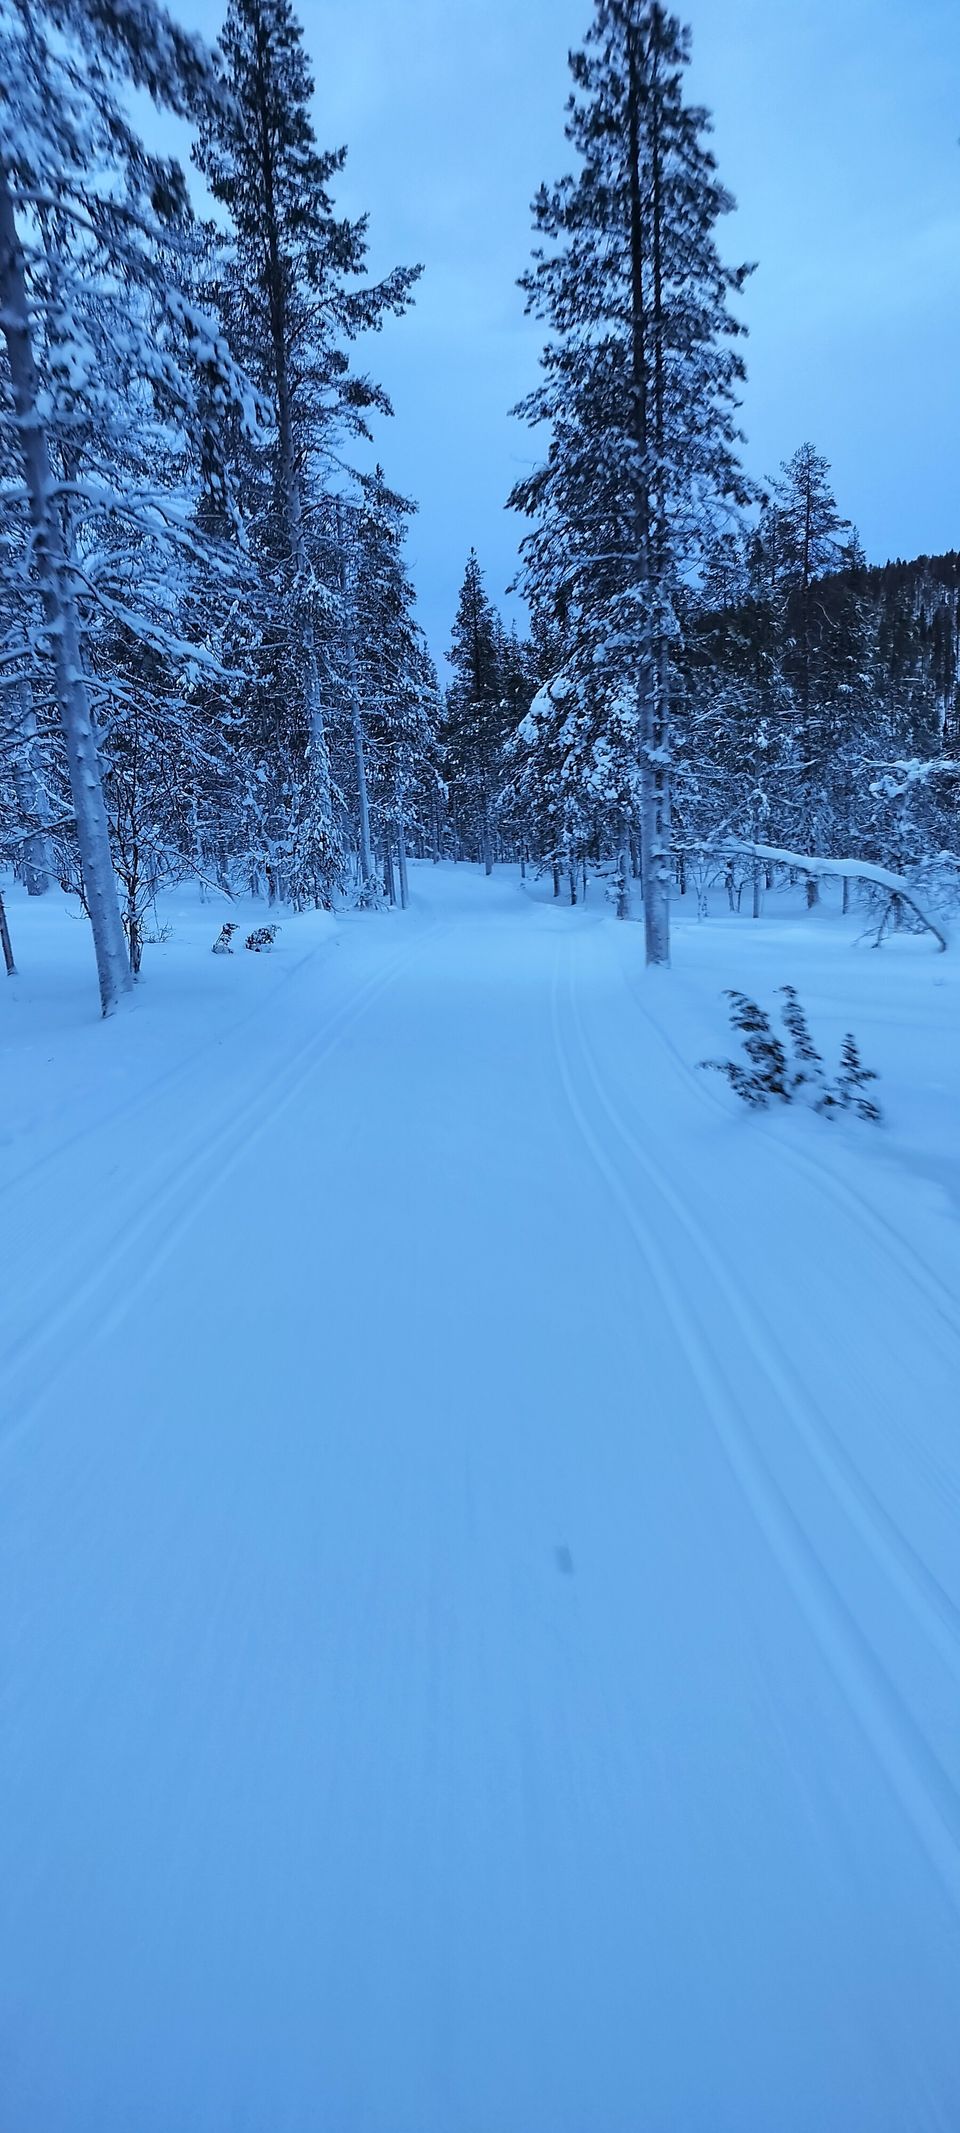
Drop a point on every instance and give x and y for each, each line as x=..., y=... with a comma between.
x=5, y=942
x=757, y=871
x=487, y=838
x=388, y=869
x=402, y=857
x=356, y=718
x=134, y=932
x=623, y=883
x=846, y=895
x=556, y=879
x=290, y=497
x=657, y=907
x=360, y=760
x=60, y=614
x=654, y=835
x=37, y=867
x=654, y=799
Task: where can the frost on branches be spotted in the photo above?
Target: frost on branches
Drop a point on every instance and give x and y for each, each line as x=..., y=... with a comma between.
x=639, y=396
x=178, y=512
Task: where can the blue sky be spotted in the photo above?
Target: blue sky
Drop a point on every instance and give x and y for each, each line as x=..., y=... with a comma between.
x=836, y=125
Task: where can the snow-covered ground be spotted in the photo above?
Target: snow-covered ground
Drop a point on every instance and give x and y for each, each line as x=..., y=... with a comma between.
x=481, y=1593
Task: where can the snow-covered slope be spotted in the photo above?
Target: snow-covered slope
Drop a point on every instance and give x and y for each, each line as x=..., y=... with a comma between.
x=480, y=1609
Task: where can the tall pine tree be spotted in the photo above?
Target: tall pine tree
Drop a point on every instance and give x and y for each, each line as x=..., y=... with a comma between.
x=295, y=299
x=639, y=392
x=110, y=371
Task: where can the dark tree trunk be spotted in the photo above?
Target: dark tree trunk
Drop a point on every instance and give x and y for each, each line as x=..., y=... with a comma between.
x=5, y=943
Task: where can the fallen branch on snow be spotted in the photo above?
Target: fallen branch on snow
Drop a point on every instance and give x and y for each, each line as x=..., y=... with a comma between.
x=894, y=886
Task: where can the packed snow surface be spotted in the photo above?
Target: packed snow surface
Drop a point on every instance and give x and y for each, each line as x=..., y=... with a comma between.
x=479, y=1515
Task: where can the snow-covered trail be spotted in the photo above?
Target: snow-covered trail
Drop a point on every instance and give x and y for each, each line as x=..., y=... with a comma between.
x=480, y=1611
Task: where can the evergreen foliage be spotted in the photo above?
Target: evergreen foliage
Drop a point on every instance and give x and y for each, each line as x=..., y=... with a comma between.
x=769, y=1076
x=639, y=394
x=210, y=662
x=177, y=511
x=477, y=717
x=292, y=293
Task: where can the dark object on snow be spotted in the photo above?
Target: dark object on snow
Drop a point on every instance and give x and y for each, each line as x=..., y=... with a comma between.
x=769, y=1072
x=847, y=1092
x=770, y=1075
x=262, y=937
x=222, y=944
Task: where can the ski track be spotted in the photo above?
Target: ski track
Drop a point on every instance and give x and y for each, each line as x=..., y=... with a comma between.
x=926, y=1794
x=933, y=1608
x=871, y=1221
x=476, y=1686
x=173, y=1203
x=179, y=1075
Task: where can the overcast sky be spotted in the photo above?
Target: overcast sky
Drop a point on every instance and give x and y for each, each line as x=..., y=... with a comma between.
x=836, y=125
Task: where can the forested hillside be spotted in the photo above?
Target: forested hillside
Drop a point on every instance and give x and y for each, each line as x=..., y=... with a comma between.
x=815, y=708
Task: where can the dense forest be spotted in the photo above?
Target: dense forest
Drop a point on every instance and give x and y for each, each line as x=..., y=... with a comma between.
x=210, y=659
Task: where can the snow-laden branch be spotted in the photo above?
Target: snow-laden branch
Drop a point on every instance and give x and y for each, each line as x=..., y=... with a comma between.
x=895, y=886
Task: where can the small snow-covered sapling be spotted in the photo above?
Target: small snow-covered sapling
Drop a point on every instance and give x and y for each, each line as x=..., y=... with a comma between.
x=262, y=937
x=769, y=1074
x=851, y=1081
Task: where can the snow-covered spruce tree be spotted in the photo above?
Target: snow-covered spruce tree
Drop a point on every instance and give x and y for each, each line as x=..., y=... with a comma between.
x=394, y=675
x=476, y=724
x=546, y=781
x=734, y=727
x=107, y=362
x=347, y=682
x=802, y=533
x=291, y=292
x=640, y=389
x=520, y=681
x=24, y=811
x=528, y=803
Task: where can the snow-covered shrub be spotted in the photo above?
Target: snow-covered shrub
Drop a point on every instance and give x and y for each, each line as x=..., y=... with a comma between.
x=770, y=1074
x=847, y=1093
x=809, y=1065
x=261, y=937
